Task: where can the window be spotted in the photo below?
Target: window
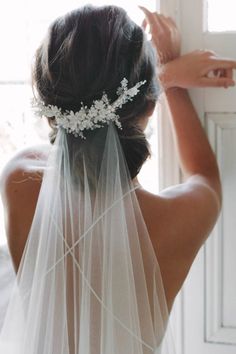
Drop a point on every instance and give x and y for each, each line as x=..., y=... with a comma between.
x=21, y=32
x=221, y=15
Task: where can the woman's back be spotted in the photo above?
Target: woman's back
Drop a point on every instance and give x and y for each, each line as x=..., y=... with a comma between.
x=177, y=220
x=100, y=259
x=87, y=256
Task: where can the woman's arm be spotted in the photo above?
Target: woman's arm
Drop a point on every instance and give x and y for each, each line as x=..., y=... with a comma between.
x=177, y=74
x=182, y=217
x=195, y=154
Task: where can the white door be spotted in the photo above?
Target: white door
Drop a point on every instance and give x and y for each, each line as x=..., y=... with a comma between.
x=207, y=304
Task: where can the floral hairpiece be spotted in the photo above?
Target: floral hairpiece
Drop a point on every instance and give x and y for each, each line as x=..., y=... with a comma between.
x=101, y=112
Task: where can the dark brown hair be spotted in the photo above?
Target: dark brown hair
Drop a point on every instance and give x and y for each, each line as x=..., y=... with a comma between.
x=89, y=51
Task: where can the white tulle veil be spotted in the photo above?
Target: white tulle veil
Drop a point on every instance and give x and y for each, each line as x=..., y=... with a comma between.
x=89, y=280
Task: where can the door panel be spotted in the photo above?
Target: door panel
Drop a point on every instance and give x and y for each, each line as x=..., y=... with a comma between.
x=206, y=308
x=220, y=261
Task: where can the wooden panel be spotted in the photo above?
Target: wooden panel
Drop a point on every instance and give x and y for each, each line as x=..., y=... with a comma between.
x=206, y=305
x=220, y=260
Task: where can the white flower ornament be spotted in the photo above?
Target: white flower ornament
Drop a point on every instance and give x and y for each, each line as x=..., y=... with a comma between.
x=101, y=112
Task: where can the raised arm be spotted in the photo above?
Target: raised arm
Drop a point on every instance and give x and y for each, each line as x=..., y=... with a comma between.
x=189, y=210
x=178, y=73
x=195, y=154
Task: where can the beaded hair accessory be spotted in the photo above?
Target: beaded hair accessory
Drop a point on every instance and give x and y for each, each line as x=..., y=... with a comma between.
x=100, y=113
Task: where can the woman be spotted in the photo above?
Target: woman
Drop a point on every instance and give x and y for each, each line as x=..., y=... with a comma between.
x=86, y=239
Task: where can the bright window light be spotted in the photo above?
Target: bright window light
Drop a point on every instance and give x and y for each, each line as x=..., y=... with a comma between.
x=221, y=15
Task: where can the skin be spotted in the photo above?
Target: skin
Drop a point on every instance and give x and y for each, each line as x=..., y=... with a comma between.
x=181, y=217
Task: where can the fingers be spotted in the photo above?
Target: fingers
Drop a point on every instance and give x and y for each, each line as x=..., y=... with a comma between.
x=228, y=73
x=151, y=15
x=166, y=21
x=223, y=72
x=172, y=22
x=216, y=82
x=224, y=64
x=144, y=24
x=147, y=12
x=164, y=35
x=158, y=20
x=150, y=18
x=218, y=63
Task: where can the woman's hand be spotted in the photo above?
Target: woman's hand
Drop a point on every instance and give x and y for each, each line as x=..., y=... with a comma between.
x=196, y=69
x=165, y=35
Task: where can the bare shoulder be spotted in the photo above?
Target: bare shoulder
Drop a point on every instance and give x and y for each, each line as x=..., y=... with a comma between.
x=21, y=180
x=33, y=156
x=24, y=170
x=20, y=186
x=191, y=207
x=194, y=207
x=179, y=220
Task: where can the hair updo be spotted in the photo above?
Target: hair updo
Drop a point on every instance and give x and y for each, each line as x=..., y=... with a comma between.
x=89, y=51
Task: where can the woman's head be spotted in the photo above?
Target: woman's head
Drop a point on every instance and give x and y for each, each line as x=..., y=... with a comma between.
x=89, y=51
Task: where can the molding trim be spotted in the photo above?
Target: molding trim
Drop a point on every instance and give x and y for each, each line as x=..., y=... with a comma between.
x=215, y=329
x=169, y=174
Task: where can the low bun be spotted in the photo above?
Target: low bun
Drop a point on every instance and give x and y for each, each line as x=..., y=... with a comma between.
x=136, y=148
x=89, y=51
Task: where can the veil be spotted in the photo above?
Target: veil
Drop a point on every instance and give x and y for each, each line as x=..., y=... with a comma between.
x=89, y=280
